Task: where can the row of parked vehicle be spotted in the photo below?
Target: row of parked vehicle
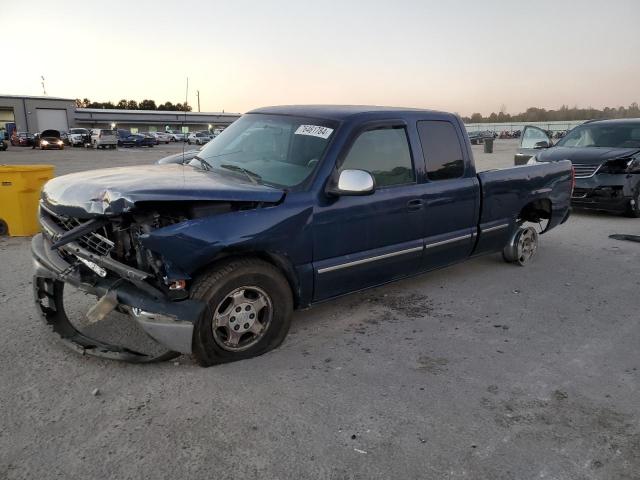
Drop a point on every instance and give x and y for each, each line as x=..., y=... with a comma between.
x=105, y=138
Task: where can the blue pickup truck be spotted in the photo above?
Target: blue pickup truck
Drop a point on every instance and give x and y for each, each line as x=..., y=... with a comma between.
x=288, y=207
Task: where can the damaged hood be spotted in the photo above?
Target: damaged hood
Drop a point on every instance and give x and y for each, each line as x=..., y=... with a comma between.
x=113, y=191
x=586, y=155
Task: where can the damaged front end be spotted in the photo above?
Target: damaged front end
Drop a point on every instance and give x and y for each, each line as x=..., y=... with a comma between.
x=95, y=240
x=103, y=257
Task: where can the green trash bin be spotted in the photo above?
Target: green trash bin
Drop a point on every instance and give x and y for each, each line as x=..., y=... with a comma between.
x=488, y=145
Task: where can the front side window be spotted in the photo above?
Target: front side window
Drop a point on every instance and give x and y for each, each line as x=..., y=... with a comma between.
x=385, y=154
x=278, y=150
x=442, y=150
x=531, y=136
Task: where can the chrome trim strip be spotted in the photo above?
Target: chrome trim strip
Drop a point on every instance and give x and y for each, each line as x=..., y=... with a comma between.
x=450, y=240
x=585, y=166
x=367, y=260
x=493, y=229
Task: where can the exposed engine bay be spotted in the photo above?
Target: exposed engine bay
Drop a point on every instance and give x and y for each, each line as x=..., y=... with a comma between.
x=104, y=256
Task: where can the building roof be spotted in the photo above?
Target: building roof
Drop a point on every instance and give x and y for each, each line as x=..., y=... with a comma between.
x=42, y=97
x=119, y=111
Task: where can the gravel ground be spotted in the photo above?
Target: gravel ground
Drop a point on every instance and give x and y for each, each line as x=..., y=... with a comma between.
x=480, y=371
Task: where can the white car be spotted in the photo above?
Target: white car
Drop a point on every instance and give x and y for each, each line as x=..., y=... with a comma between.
x=103, y=138
x=78, y=136
x=176, y=136
x=162, y=137
x=199, y=138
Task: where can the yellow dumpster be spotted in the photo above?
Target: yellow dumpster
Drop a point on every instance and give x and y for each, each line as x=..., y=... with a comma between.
x=20, y=187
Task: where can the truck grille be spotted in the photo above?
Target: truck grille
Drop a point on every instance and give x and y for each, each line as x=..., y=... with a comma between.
x=96, y=242
x=584, y=170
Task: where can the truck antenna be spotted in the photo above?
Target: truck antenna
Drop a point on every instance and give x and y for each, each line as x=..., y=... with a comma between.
x=44, y=90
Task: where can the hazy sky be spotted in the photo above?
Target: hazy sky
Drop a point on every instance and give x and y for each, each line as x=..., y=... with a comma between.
x=462, y=56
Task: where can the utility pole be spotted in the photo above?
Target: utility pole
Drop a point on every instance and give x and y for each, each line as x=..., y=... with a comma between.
x=44, y=90
x=198, y=95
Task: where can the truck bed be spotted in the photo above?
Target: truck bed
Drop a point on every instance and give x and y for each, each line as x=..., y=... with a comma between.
x=508, y=194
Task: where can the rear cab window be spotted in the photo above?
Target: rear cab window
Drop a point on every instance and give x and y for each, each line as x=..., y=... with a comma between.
x=442, y=150
x=385, y=153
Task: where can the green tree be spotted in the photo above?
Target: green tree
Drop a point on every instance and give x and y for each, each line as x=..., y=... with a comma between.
x=147, y=105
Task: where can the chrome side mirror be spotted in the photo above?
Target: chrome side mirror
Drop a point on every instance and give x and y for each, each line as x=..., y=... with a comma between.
x=352, y=182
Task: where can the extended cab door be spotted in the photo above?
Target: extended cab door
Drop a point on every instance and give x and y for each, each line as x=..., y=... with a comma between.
x=361, y=241
x=450, y=194
x=533, y=139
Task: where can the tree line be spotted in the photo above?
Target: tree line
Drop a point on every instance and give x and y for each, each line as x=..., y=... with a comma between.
x=133, y=105
x=534, y=114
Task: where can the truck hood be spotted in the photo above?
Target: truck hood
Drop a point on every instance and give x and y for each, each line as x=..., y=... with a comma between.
x=587, y=155
x=113, y=191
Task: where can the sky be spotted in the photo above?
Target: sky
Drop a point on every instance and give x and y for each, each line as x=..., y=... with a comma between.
x=459, y=56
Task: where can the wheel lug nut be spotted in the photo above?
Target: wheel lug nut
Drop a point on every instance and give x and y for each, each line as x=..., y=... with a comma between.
x=232, y=319
x=236, y=328
x=246, y=325
x=252, y=315
x=247, y=308
x=238, y=309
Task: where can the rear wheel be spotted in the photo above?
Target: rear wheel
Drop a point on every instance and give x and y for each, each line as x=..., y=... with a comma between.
x=522, y=247
x=249, y=309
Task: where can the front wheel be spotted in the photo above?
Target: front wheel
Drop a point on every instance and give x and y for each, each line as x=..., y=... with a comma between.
x=249, y=309
x=522, y=247
x=633, y=209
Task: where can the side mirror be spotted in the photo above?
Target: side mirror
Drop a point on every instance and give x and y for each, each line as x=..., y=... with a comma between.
x=352, y=182
x=542, y=144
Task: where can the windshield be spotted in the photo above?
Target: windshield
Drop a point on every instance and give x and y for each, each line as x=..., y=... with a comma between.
x=623, y=135
x=278, y=150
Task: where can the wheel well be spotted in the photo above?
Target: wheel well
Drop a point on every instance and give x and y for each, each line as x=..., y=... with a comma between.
x=536, y=211
x=277, y=261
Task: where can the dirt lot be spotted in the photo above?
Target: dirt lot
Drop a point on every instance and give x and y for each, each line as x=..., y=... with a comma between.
x=480, y=371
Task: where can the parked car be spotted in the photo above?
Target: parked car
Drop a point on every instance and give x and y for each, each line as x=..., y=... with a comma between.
x=103, y=138
x=3, y=145
x=150, y=135
x=199, y=138
x=79, y=137
x=49, y=139
x=180, y=158
x=290, y=206
x=606, y=158
x=161, y=137
x=137, y=140
x=22, y=139
x=177, y=136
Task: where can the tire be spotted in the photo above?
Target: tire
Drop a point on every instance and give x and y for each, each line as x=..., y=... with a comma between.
x=4, y=228
x=522, y=246
x=633, y=211
x=241, y=277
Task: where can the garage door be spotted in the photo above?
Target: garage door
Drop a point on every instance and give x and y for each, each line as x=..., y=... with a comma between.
x=50, y=118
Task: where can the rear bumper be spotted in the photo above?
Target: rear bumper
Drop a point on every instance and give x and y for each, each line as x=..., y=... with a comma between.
x=606, y=192
x=169, y=323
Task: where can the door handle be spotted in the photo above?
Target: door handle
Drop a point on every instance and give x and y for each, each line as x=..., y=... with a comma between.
x=415, y=204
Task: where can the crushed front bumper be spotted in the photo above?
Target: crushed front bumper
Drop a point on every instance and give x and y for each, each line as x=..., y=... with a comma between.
x=608, y=192
x=170, y=323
